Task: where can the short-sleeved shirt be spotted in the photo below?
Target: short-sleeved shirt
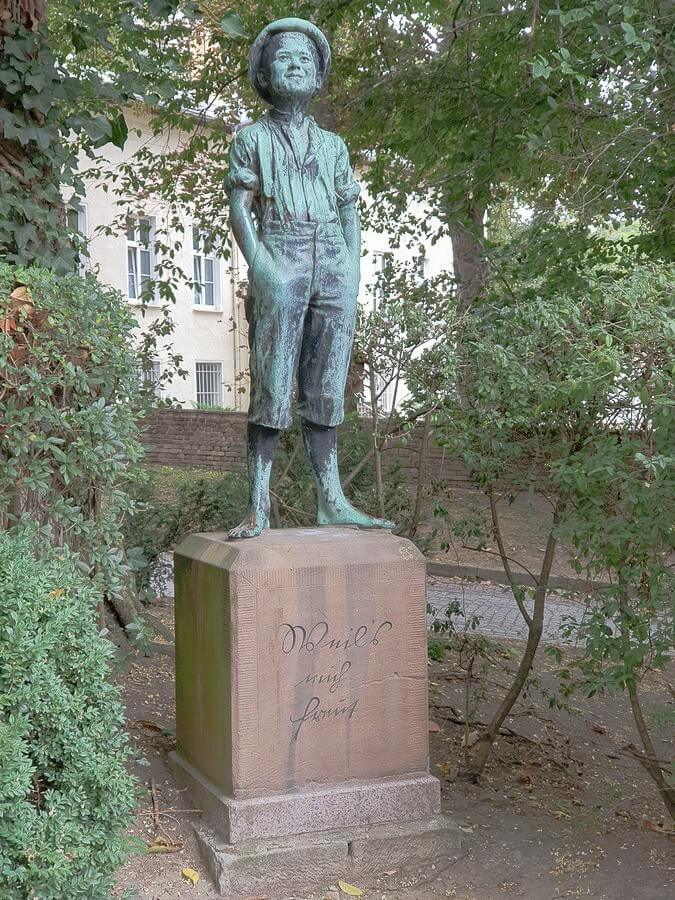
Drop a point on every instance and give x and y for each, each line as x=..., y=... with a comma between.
x=264, y=159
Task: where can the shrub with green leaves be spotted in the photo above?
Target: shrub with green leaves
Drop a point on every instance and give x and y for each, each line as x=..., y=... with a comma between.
x=65, y=796
x=69, y=401
x=172, y=503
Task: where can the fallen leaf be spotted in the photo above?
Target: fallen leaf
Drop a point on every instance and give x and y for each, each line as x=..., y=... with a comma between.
x=21, y=296
x=434, y=727
x=470, y=739
x=600, y=729
x=8, y=324
x=57, y=593
x=161, y=845
x=191, y=875
x=147, y=723
x=390, y=872
x=349, y=889
x=561, y=814
x=659, y=827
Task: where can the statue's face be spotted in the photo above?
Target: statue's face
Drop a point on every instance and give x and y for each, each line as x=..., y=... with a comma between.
x=291, y=70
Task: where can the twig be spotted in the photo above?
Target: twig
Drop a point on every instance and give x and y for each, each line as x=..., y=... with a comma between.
x=155, y=805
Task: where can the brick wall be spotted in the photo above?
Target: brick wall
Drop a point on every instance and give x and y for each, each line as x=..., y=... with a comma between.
x=195, y=438
x=217, y=440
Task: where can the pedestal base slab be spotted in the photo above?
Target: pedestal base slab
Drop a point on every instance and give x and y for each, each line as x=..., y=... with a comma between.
x=350, y=804
x=414, y=851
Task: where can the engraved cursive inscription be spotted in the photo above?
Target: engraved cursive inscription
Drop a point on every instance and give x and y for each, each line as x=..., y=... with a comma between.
x=315, y=713
x=298, y=638
x=331, y=678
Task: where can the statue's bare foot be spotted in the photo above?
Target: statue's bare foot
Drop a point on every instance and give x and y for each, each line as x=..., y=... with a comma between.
x=252, y=526
x=343, y=513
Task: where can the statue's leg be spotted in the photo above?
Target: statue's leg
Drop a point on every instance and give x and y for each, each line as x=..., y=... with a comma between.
x=333, y=508
x=277, y=304
x=262, y=444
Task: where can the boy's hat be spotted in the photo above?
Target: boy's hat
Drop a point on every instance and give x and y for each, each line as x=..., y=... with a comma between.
x=301, y=26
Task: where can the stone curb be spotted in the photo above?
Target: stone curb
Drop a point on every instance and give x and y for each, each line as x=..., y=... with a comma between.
x=498, y=576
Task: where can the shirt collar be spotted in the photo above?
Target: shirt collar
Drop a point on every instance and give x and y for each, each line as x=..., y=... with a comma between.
x=286, y=118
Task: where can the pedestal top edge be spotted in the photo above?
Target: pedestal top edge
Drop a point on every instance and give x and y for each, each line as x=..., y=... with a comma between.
x=345, y=545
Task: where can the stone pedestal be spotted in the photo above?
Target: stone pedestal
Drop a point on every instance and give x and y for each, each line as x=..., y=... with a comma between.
x=301, y=687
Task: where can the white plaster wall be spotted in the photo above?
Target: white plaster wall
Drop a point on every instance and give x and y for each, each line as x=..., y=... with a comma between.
x=200, y=334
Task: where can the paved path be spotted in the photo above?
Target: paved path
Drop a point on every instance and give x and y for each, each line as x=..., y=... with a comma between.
x=493, y=610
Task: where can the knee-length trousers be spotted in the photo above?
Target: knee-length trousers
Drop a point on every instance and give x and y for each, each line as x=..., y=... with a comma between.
x=301, y=311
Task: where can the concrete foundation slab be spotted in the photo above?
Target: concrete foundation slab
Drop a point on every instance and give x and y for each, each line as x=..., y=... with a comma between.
x=386, y=855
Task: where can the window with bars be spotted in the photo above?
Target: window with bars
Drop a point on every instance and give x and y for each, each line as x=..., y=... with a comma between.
x=209, y=379
x=205, y=268
x=151, y=377
x=140, y=262
x=77, y=225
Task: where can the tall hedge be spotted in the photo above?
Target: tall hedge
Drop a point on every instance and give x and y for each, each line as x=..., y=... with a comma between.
x=65, y=796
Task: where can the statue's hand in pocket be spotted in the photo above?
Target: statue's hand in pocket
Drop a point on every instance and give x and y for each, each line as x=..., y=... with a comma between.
x=261, y=265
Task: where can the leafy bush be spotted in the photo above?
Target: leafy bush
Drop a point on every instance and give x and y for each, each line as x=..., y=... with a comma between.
x=65, y=796
x=172, y=503
x=69, y=402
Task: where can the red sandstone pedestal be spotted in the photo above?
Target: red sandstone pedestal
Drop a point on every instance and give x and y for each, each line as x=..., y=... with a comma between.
x=301, y=704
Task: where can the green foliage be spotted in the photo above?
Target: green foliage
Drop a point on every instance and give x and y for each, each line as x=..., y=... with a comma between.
x=436, y=651
x=65, y=796
x=170, y=505
x=567, y=389
x=68, y=407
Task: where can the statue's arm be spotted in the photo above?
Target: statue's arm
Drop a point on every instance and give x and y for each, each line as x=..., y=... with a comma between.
x=241, y=221
x=351, y=228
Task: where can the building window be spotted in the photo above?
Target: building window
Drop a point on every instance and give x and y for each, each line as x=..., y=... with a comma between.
x=79, y=229
x=205, y=268
x=383, y=275
x=151, y=377
x=209, y=383
x=422, y=264
x=140, y=262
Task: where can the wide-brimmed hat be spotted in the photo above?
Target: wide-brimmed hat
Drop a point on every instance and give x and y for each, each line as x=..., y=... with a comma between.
x=302, y=26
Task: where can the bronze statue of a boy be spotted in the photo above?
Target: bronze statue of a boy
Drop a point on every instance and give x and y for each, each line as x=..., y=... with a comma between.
x=293, y=214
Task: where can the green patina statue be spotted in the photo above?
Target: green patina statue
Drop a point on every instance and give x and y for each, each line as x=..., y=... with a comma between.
x=293, y=214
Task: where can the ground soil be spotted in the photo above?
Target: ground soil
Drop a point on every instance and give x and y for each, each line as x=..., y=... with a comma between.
x=525, y=522
x=562, y=811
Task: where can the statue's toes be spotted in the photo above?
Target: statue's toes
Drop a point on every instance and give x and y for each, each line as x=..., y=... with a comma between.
x=378, y=523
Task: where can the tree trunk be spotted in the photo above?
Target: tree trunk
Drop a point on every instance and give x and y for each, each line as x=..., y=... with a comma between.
x=421, y=467
x=650, y=760
x=29, y=13
x=379, y=480
x=30, y=172
x=468, y=255
x=535, y=627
